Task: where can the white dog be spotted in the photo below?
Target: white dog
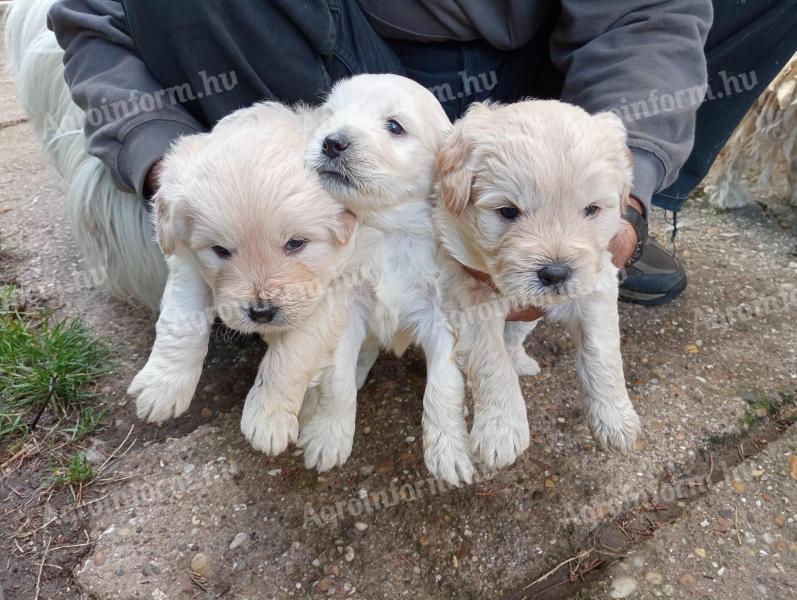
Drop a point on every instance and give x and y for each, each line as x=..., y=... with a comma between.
x=375, y=151
x=531, y=196
x=112, y=228
x=250, y=235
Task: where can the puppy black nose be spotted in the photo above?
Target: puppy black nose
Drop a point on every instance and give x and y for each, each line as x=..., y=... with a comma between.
x=334, y=144
x=554, y=273
x=263, y=314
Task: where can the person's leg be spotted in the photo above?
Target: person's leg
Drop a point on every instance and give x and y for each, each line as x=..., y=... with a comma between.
x=747, y=46
x=233, y=56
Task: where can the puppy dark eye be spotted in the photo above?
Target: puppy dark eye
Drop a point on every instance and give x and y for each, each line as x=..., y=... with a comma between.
x=592, y=209
x=222, y=252
x=394, y=127
x=509, y=212
x=295, y=244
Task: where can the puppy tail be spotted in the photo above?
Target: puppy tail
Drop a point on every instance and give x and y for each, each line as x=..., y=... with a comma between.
x=112, y=228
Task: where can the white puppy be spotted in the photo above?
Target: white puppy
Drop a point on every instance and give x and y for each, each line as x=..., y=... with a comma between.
x=531, y=196
x=251, y=235
x=375, y=151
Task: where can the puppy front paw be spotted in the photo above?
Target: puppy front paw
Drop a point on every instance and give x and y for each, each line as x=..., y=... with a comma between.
x=162, y=393
x=498, y=437
x=525, y=366
x=617, y=430
x=268, y=428
x=327, y=441
x=447, y=456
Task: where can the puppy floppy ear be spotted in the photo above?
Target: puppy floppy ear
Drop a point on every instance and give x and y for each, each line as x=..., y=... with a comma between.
x=453, y=175
x=164, y=228
x=170, y=223
x=614, y=129
x=344, y=227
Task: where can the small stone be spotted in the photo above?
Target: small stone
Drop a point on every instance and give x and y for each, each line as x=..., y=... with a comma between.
x=793, y=466
x=668, y=589
x=687, y=580
x=332, y=569
x=316, y=563
x=367, y=470
x=654, y=578
x=151, y=569
x=760, y=412
x=416, y=569
x=188, y=469
x=728, y=514
x=93, y=453
x=725, y=523
x=701, y=552
x=238, y=540
x=704, y=523
x=780, y=521
x=200, y=564
x=748, y=551
x=768, y=538
x=324, y=585
x=234, y=470
x=119, y=572
x=409, y=439
x=238, y=565
x=99, y=558
x=348, y=554
x=274, y=472
x=385, y=467
x=123, y=532
x=423, y=540
x=207, y=413
x=623, y=587
x=360, y=526
x=739, y=486
x=781, y=546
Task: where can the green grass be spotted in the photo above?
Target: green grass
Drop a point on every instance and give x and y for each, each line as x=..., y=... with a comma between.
x=78, y=470
x=46, y=364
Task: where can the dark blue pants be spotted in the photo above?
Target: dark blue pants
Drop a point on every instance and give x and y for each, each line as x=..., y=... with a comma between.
x=289, y=51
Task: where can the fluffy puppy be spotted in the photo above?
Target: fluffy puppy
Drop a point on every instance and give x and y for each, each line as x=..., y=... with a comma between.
x=375, y=151
x=250, y=235
x=531, y=194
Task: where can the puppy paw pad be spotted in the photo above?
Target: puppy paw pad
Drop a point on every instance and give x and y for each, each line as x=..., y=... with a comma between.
x=327, y=442
x=448, y=457
x=620, y=433
x=269, y=431
x=499, y=439
x=525, y=366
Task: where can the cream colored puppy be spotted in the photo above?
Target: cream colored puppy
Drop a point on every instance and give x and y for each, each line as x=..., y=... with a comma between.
x=531, y=196
x=375, y=151
x=250, y=235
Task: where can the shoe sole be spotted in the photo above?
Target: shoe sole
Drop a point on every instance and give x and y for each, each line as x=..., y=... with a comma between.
x=643, y=299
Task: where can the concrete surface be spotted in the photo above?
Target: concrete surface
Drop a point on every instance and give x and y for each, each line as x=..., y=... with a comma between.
x=739, y=541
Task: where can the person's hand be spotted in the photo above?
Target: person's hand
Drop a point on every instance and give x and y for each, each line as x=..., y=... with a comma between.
x=622, y=248
x=152, y=181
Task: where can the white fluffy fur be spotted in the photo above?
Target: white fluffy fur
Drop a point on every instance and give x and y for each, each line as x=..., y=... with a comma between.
x=111, y=227
x=549, y=161
x=390, y=178
x=244, y=188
